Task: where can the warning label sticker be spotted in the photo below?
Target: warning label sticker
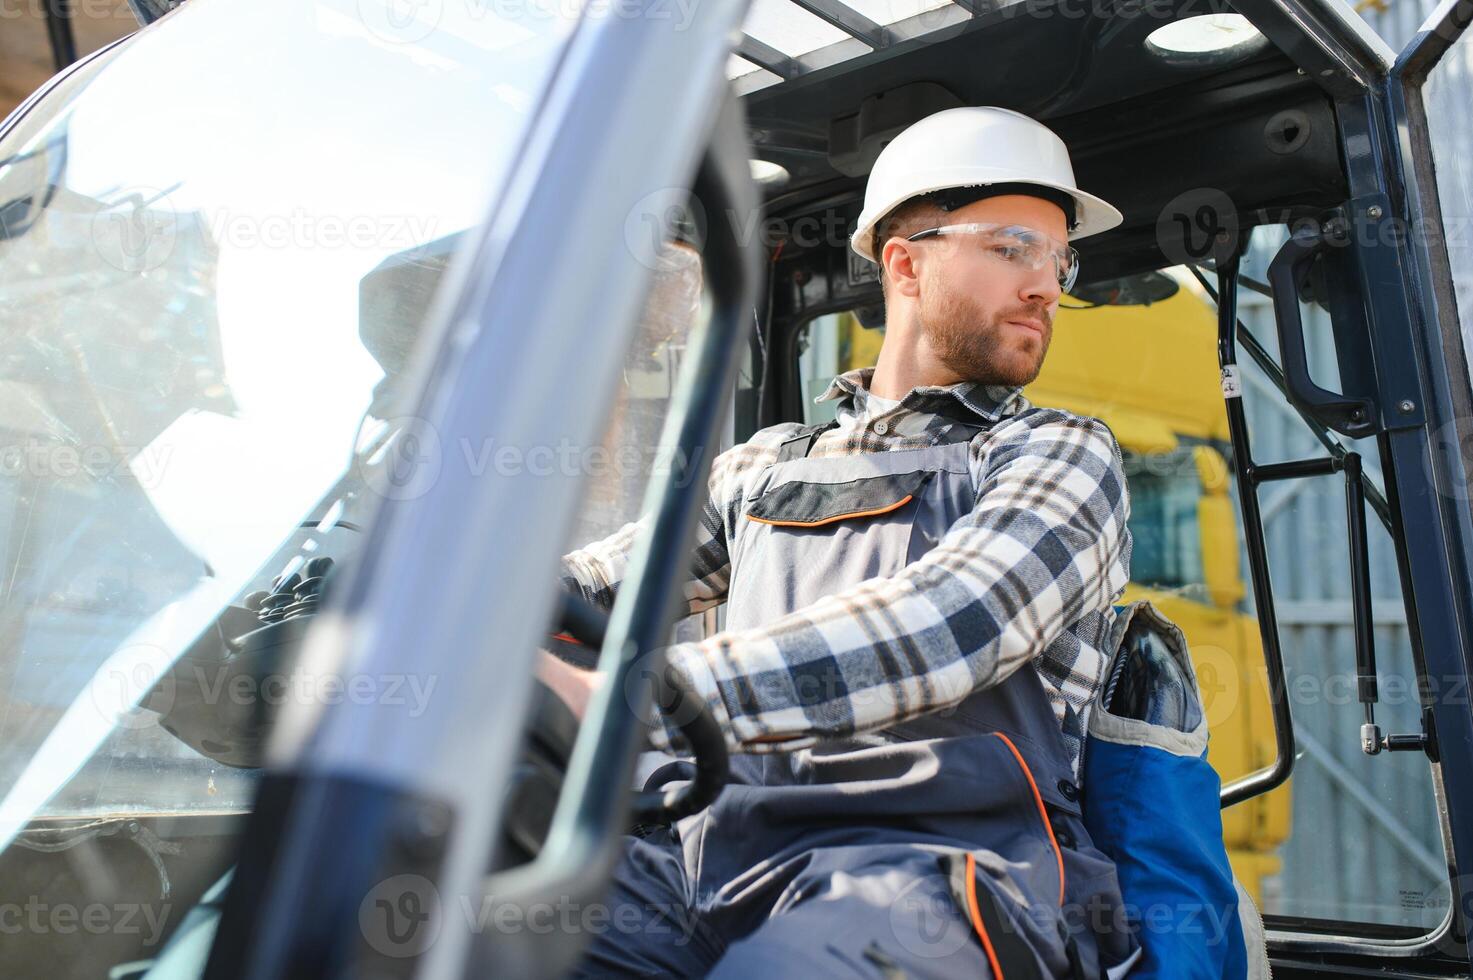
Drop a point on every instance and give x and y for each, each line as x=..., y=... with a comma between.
x=1232, y=382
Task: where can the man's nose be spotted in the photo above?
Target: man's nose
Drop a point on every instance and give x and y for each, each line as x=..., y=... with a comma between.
x=1040, y=285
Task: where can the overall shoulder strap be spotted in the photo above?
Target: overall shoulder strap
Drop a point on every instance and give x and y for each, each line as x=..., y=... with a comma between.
x=799, y=445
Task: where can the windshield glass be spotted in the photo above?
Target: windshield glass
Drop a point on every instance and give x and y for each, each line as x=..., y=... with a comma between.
x=211, y=247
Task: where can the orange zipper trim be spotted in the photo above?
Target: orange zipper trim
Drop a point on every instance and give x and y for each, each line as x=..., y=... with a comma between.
x=839, y=517
x=1042, y=812
x=976, y=916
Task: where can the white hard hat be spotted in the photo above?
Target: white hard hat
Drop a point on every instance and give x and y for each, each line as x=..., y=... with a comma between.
x=974, y=146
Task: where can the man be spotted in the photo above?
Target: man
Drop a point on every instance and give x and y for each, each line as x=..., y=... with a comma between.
x=919, y=601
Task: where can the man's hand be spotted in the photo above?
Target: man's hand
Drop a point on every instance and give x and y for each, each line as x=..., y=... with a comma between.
x=572, y=685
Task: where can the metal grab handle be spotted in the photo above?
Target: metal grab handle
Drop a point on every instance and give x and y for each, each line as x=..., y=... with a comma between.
x=1249, y=477
x=1350, y=415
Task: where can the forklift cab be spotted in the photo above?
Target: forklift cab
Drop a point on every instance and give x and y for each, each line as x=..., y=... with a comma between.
x=332, y=325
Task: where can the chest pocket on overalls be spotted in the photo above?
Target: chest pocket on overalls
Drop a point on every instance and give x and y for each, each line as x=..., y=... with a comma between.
x=800, y=504
x=807, y=537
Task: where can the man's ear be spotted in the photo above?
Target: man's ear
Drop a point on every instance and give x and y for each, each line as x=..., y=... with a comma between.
x=901, y=263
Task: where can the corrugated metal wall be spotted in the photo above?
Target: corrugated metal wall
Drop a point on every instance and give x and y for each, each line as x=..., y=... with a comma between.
x=1397, y=21
x=1365, y=843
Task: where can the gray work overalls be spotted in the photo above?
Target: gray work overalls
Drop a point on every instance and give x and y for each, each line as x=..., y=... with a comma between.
x=950, y=845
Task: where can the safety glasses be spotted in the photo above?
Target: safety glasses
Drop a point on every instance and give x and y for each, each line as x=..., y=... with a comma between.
x=1016, y=245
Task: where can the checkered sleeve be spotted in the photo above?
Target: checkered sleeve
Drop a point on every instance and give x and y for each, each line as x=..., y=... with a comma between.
x=596, y=569
x=1045, y=545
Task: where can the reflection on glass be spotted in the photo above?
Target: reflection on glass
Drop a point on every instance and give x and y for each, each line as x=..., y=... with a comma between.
x=619, y=469
x=1166, y=538
x=203, y=324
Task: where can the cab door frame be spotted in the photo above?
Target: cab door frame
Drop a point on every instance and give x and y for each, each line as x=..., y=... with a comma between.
x=1421, y=381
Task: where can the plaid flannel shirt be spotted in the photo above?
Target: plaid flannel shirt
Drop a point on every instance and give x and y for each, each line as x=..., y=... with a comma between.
x=1030, y=575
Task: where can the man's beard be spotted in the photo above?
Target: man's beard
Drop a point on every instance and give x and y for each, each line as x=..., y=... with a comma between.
x=979, y=345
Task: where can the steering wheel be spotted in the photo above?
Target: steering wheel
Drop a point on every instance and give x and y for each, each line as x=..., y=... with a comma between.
x=537, y=781
x=259, y=637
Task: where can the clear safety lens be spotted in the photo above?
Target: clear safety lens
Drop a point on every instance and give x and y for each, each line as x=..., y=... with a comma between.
x=1016, y=245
